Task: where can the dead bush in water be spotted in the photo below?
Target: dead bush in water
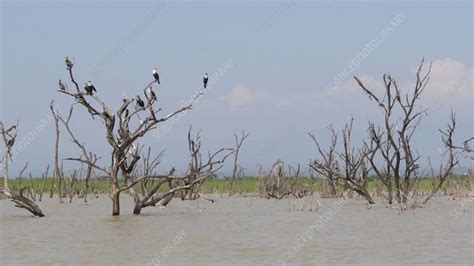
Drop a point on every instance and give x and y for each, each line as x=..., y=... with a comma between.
x=278, y=184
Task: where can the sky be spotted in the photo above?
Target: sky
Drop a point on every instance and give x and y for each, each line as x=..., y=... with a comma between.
x=279, y=69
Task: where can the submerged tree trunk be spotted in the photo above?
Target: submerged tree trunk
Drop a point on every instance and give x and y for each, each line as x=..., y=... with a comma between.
x=389, y=191
x=137, y=208
x=332, y=185
x=115, y=203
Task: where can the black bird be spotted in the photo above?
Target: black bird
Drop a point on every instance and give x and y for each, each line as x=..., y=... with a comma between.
x=91, y=86
x=10, y=142
x=205, y=80
x=69, y=64
x=87, y=88
x=90, y=89
x=140, y=103
x=126, y=113
x=172, y=171
x=61, y=86
x=151, y=93
x=156, y=76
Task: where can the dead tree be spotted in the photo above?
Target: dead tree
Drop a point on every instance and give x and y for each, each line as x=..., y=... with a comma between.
x=122, y=129
x=393, y=143
x=58, y=175
x=147, y=167
x=445, y=170
x=44, y=177
x=237, y=169
x=274, y=184
x=354, y=172
x=89, y=159
x=9, y=136
x=466, y=148
x=326, y=165
x=279, y=183
x=350, y=168
x=199, y=167
x=188, y=186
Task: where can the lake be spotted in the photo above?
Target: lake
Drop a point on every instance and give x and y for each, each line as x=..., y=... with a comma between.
x=239, y=230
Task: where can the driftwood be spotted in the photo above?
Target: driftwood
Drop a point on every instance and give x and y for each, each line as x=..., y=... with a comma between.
x=9, y=136
x=22, y=201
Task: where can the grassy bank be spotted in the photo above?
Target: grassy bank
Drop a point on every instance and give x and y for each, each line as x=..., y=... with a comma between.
x=212, y=185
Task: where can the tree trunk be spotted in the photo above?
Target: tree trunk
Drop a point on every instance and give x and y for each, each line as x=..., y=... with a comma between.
x=397, y=187
x=138, y=208
x=115, y=203
x=389, y=191
x=332, y=185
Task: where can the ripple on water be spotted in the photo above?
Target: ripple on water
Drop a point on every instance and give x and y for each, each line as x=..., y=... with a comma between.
x=234, y=231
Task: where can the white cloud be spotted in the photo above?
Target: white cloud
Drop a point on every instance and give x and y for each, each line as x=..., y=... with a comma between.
x=242, y=95
x=448, y=78
x=450, y=81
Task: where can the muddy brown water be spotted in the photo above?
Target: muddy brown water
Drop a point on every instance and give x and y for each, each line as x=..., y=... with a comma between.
x=239, y=231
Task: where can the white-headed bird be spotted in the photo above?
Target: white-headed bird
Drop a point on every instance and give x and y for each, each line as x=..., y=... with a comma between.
x=205, y=80
x=90, y=89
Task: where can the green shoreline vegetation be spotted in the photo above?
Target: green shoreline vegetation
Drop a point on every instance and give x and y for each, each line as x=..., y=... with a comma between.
x=244, y=185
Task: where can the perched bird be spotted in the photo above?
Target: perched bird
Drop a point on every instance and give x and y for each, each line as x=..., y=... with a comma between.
x=126, y=113
x=172, y=171
x=90, y=89
x=140, y=103
x=151, y=93
x=91, y=86
x=87, y=88
x=61, y=86
x=156, y=76
x=10, y=142
x=68, y=63
x=205, y=79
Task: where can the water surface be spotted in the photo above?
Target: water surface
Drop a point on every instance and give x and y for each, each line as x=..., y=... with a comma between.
x=238, y=230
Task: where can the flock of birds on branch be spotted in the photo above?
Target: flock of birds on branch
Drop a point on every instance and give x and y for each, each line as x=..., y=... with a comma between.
x=90, y=89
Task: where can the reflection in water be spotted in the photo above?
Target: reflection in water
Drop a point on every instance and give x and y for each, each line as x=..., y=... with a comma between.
x=234, y=231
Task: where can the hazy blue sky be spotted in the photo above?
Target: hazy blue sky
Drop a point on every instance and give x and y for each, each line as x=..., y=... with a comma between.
x=283, y=56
